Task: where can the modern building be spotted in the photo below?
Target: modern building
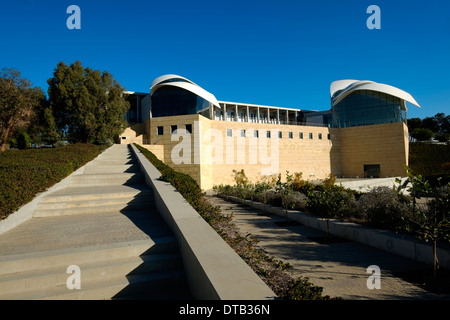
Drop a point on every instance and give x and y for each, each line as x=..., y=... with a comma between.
x=364, y=134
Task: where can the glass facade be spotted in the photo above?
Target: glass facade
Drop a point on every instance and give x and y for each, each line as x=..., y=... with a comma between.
x=364, y=107
x=173, y=101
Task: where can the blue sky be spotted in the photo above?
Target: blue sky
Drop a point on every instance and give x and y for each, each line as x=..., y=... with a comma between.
x=282, y=53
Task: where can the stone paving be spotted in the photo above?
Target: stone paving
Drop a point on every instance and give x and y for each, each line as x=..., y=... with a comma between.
x=340, y=267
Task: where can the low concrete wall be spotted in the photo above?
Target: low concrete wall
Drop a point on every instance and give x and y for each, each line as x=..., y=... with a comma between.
x=213, y=268
x=25, y=212
x=403, y=245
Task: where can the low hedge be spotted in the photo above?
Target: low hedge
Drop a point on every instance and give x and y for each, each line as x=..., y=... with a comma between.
x=25, y=173
x=273, y=272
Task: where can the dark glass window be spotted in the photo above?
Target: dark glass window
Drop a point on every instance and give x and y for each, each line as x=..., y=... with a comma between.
x=189, y=128
x=256, y=134
x=173, y=101
x=291, y=135
x=300, y=135
x=229, y=132
x=320, y=136
x=173, y=129
x=366, y=107
x=311, y=136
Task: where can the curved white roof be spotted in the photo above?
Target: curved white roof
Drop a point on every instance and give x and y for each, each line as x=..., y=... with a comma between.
x=185, y=84
x=348, y=86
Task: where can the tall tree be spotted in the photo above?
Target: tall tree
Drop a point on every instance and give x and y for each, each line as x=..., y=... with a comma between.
x=17, y=103
x=87, y=103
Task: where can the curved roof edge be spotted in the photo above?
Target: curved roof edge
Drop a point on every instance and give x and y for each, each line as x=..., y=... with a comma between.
x=346, y=87
x=185, y=84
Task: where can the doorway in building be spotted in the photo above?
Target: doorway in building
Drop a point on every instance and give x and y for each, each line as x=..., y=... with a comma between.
x=372, y=171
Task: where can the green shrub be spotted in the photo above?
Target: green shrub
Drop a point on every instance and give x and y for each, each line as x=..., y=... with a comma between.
x=269, y=197
x=330, y=202
x=382, y=208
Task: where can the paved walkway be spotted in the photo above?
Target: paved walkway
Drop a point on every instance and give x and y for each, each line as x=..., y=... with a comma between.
x=340, y=268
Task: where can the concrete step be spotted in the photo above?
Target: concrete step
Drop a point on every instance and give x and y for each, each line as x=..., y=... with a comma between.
x=134, y=285
x=45, y=281
x=140, y=202
x=136, y=268
x=107, y=179
x=95, y=193
x=36, y=261
x=111, y=156
x=95, y=208
x=132, y=168
x=112, y=161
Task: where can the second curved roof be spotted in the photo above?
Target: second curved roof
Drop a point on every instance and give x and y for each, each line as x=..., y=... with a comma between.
x=342, y=88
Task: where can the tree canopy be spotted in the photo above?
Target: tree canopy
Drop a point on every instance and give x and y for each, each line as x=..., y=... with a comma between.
x=87, y=104
x=18, y=101
x=438, y=125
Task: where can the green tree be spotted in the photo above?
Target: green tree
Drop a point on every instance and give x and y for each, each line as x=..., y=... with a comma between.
x=422, y=134
x=43, y=127
x=431, y=123
x=17, y=103
x=414, y=123
x=86, y=103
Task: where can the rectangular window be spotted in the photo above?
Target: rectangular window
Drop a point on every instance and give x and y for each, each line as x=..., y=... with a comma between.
x=280, y=134
x=268, y=134
x=320, y=136
x=291, y=135
x=329, y=136
x=256, y=134
x=229, y=132
x=310, y=136
x=243, y=133
x=300, y=135
x=160, y=131
x=189, y=128
x=173, y=129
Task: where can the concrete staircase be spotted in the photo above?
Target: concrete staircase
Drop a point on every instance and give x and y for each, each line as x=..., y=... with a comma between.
x=106, y=224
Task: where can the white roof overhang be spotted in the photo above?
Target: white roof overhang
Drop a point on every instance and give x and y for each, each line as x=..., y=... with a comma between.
x=349, y=86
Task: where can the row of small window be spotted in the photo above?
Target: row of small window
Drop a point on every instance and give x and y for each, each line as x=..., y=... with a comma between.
x=160, y=130
x=188, y=127
x=280, y=134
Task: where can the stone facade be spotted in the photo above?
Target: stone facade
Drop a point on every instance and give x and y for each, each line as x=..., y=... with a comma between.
x=215, y=148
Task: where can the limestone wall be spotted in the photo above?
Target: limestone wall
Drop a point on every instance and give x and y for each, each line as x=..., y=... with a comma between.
x=384, y=144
